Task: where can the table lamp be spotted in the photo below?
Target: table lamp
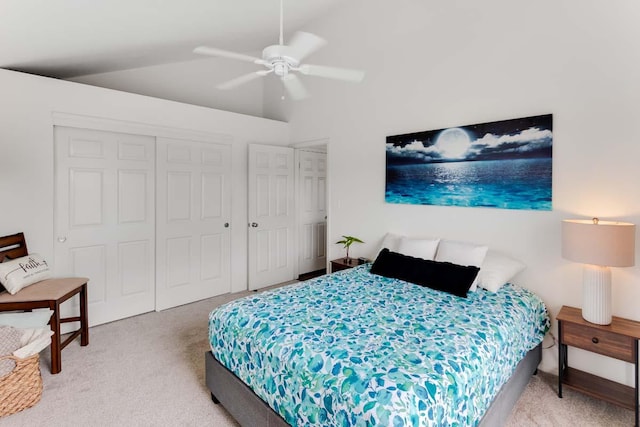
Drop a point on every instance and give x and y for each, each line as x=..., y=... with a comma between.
x=599, y=245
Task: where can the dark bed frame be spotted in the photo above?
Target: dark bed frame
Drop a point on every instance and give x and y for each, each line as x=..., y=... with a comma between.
x=249, y=410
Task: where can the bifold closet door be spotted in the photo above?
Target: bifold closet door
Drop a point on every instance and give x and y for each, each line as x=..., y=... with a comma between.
x=104, y=218
x=193, y=221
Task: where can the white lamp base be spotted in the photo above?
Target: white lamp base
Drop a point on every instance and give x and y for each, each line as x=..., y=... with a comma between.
x=596, y=294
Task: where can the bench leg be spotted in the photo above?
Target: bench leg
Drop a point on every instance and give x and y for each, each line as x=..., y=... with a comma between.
x=84, y=318
x=56, y=359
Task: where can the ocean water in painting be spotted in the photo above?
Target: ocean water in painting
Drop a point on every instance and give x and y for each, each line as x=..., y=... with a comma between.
x=507, y=184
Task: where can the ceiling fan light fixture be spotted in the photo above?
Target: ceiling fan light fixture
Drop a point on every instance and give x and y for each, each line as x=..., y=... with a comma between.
x=280, y=68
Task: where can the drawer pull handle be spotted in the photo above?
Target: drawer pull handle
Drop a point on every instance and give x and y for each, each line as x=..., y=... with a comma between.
x=595, y=340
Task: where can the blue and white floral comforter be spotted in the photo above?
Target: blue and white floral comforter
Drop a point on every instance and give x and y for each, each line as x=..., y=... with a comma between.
x=357, y=349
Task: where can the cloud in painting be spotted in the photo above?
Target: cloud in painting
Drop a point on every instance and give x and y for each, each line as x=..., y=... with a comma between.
x=414, y=150
x=531, y=142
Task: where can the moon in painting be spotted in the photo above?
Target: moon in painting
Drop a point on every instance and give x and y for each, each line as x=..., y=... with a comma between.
x=453, y=143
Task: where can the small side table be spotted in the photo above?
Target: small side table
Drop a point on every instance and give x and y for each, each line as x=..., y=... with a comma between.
x=345, y=263
x=618, y=340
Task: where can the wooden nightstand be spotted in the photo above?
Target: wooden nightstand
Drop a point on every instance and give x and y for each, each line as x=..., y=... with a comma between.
x=618, y=340
x=344, y=263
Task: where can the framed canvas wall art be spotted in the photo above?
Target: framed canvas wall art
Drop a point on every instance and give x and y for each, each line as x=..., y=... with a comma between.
x=505, y=164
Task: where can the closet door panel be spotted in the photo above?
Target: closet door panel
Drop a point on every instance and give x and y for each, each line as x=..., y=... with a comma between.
x=193, y=229
x=131, y=207
x=104, y=218
x=133, y=261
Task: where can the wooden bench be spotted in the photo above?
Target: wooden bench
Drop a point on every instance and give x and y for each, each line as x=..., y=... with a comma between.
x=50, y=294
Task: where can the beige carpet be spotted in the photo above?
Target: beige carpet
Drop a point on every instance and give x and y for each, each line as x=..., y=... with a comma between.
x=149, y=371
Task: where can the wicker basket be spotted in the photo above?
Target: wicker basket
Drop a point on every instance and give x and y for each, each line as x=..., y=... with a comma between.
x=21, y=388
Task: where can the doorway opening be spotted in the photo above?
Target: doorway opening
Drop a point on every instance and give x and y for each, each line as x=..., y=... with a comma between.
x=312, y=214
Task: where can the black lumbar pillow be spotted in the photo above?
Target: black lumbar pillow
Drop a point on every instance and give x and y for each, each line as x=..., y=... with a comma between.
x=442, y=276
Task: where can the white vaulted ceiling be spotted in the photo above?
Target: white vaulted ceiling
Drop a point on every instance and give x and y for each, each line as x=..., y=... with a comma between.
x=68, y=38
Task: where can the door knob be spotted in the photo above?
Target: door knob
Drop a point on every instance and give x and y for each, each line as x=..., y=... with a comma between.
x=62, y=239
x=254, y=224
x=226, y=225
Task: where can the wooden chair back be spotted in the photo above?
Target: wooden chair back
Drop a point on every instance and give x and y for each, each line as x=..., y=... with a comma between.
x=12, y=247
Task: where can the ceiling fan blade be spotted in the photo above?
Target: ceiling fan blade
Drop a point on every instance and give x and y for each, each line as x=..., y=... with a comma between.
x=304, y=44
x=294, y=86
x=212, y=51
x=346, y=74
x=242, y=80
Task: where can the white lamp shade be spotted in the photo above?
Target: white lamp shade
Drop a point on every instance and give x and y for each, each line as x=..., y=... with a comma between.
x=601, y=244
x=604, y=243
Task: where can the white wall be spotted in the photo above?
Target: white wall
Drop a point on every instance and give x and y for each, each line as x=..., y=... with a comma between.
x=26, y=150
x=435, y=64
x=193, y=82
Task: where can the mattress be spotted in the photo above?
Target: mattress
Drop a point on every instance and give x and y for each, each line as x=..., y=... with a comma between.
x=354, y=348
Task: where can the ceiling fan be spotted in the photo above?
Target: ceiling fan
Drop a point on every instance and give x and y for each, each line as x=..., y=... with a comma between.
x=284, y=61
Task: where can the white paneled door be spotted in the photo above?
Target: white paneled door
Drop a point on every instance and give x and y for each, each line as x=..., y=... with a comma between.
x=104, y=218
x=312, y=218
x=193, y=221
x=271, y=215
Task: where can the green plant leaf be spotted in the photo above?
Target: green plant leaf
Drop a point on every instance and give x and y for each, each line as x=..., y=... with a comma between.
x=348, y=241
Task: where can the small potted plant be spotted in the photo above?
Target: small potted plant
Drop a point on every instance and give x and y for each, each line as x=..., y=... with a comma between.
x=347, y=241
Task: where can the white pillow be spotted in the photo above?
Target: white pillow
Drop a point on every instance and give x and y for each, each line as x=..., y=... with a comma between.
x=418, y=248
x=462, y=253
x=22, y=272
x=391, y=241
x=498, y=269
x=38, y=318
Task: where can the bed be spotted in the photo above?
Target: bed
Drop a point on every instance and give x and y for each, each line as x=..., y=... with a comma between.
x=356, y=348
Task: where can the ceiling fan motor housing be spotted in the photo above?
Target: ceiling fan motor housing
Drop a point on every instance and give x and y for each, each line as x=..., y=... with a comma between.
x=280, y=58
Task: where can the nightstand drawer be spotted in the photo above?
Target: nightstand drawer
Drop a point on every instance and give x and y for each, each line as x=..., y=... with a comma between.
x=603, y=342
